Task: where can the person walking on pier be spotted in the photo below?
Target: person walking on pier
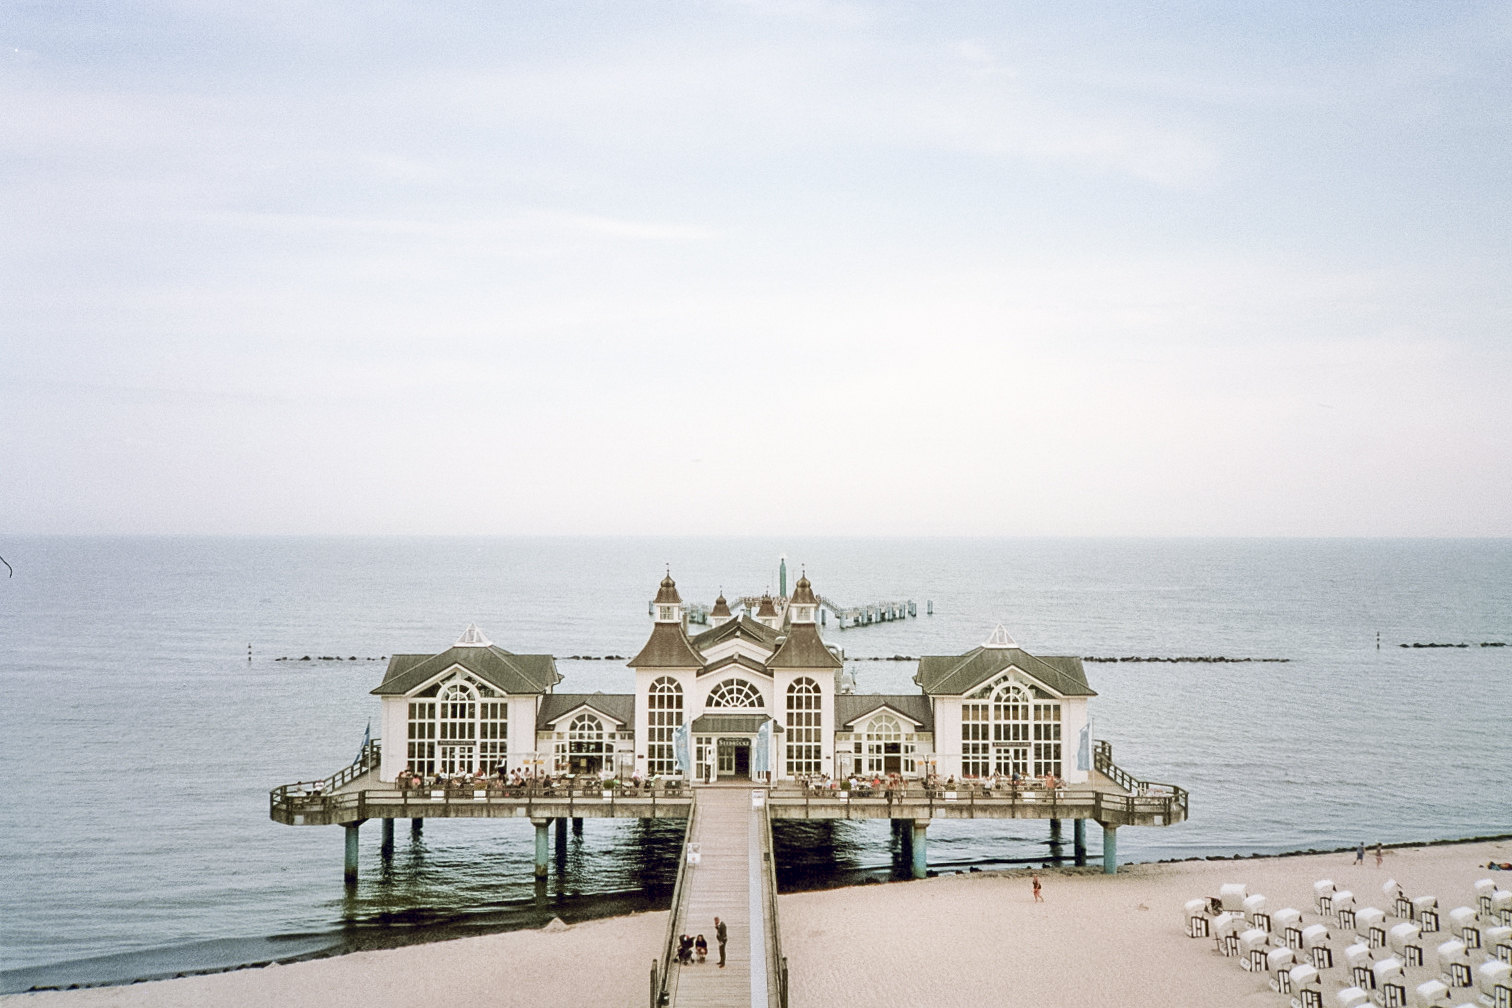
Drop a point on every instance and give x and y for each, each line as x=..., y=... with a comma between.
x=721, y=935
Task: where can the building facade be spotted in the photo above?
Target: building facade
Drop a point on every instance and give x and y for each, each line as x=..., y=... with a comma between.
x=756, y=696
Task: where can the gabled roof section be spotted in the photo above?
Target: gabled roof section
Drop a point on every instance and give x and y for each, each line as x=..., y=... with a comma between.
x=957, y=675
x=737, y=659
x=915, y=707
x=667, y=647
x=618, y=707
x=508, y=673
x=804, y=649
x=742, y=627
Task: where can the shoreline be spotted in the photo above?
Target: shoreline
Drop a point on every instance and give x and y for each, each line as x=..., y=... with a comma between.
x=338, y=942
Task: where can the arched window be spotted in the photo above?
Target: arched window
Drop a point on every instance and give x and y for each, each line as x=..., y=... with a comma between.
x=585, y=736
x=804, y=710
x=735, y=693
x=664, y=714
x=884, y=728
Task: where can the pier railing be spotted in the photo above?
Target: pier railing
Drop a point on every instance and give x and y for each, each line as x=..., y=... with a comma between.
x=777, y=967
x=1102, y=762
x=300, y=805
x=660, y=971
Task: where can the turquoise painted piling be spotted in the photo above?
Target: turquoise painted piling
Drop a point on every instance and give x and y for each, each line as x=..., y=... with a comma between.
x=1110, y=849
x=542, y=845
x=351, y=852
x=919, y=847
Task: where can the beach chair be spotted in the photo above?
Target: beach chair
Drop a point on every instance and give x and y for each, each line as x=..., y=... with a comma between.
x=1306, y=986
x=1406, y=941
x=1316, y=938
x=1464, y=924
x=1226, y=928
x=1431, y=995
x=1253, y=944
x=1425, y=912
x=1370, y=925
x=1396, y=896
x=1278, y=963
x=1351, y=997
x=1197, y=920
x=1391, y=983
x=1359, y=960
x=1483, y=891
x=1323, y=893
x=1254, y=911
x=1233, y=895
x=1344, y=908
x=1287, y=923
x=1498, y=942
x=1493, y=978
x=1453, y=963
x=1501, y=906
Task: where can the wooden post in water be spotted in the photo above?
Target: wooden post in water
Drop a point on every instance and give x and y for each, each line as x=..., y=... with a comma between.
x=351, y=852
x=1079, y=841
x=386, y=850
x=1110, y=849
x=417, y=826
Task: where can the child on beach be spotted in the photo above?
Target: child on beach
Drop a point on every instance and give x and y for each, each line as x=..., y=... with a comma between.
x=1039, y=896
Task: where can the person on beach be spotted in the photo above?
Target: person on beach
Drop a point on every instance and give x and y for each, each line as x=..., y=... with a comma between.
x=721, y=935
x=1378, y=855
x=1039, y=895
x=701, y=946
x=1360, y=853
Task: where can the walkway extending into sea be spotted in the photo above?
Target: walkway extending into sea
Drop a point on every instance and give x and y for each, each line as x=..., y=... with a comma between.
x=733, y=880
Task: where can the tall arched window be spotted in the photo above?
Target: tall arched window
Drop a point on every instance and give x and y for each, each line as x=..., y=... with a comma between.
x=457, y=721
x=735, y=693
x=458, y=726
x=804, y=710
x=1010, y=730
x=664, y=714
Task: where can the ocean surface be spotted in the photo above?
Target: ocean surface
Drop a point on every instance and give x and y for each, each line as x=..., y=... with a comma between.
x=139, y=742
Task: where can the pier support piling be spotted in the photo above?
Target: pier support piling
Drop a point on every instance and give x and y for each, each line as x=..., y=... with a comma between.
x=542, y=845
x=350, y=874
x=386, y=850
x=1110, y=849
x=919, y=846
x=1079, y=841
x=577, y=826
x=417, y=826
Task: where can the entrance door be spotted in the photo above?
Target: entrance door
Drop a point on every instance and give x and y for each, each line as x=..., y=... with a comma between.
x=892, y=764
x=735, y=758
x=586, y=764
x=456, y=759
x=743, y=763
x=1011, y=760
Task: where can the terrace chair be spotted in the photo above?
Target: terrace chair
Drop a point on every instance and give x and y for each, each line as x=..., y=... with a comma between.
x=1454, y=963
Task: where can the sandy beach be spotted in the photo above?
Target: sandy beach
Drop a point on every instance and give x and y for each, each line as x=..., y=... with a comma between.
x=1096, y=940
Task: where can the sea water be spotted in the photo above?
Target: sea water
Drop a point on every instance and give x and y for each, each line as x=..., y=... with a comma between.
x=139, y=742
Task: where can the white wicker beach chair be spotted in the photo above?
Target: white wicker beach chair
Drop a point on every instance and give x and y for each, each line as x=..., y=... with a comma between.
x=1317, y=940
x=1483, y=890
x=1306, y=986
x=1287, y=923
x=1493, y=978
x=1254, y=911
x=1359, y=959
x=1226, y=928
x=1351, y=997
x=1464, y=924
x=1453, y=963
x=1498, y=942
x=1278, y=962
x=1195, y=918
x=1253, y=944
x=1425, y=912
x=1406, y=942
x=1501, y=905
x=1323, y=891
x=1432, y=994
x=1344, y=908
x=1391, y=983
x=1370, y=925
x=1232, y=894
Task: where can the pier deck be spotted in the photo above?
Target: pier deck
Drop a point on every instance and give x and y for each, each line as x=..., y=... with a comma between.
x=733, y=881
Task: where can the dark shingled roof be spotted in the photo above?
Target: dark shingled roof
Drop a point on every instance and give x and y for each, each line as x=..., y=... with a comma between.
x=508, y=673
x=744, y=723
x=804, y=649
x=667, y=647
x=850, y=708
x=767, y=608
x=736, y=659
x=668, y=592
x=721, y=607
x=956, y=675
x=742, y=627
x=616, y=706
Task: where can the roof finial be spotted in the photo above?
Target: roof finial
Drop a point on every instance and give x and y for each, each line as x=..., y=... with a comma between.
x=999, y=639
x=473, y=637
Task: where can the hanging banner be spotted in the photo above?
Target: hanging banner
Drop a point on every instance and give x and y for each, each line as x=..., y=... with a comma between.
x=761, y=754
x=680, y=750
x=1084, y=747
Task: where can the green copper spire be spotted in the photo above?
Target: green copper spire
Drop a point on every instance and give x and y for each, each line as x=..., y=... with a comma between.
x=782, y=576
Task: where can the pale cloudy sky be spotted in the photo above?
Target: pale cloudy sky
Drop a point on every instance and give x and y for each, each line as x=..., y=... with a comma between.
x=790, y=267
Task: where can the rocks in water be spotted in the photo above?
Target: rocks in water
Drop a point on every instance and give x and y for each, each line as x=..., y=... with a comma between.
x=1210, y=659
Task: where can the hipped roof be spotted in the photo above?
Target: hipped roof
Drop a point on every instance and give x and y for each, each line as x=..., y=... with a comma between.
x=957, y=675
x=804, y=649
x=667, y=647
x=615, y=706
x=851, y=707
x=505, y=672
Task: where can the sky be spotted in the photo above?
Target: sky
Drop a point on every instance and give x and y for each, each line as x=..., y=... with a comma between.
x=763, y=267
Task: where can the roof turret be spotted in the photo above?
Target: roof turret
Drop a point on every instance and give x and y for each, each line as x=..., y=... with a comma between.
x=767, y=608
x=668, y=593
x=721, y=607
x=803, y=592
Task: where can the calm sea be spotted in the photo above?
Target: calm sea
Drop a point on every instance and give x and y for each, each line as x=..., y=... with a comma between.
x=140, y=743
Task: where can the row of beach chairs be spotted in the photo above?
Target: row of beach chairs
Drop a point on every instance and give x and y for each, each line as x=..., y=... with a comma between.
x=1364, y=955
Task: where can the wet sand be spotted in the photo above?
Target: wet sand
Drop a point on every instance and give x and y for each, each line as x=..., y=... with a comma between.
x=961, y=939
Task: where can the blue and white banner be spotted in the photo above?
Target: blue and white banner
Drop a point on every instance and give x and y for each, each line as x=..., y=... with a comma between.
x=680, y=751
x=1084, y=747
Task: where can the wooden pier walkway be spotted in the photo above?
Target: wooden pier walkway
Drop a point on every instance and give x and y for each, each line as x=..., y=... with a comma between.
x=734, y=881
